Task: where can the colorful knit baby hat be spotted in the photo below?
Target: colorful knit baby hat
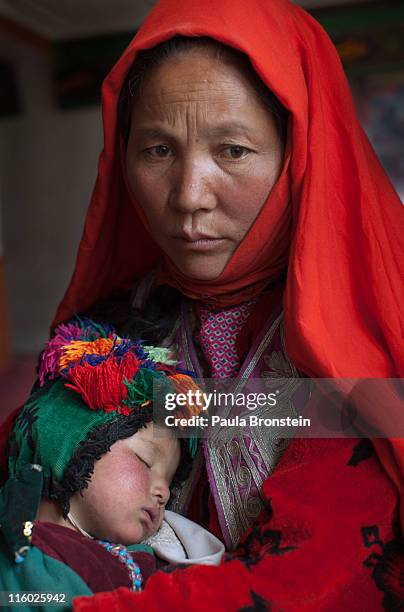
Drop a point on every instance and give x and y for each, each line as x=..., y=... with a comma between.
x=94, y=388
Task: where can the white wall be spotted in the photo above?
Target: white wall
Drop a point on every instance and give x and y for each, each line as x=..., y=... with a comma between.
x=48, y=162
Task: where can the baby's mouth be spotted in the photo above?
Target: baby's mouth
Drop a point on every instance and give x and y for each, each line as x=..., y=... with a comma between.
x=151, y=515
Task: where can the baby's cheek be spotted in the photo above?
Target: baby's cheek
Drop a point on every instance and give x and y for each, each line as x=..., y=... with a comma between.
x=135, y=479
x=118, y=485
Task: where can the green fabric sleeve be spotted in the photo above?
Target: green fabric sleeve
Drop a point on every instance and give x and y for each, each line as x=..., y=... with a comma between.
x=42, y=574
x=141, y=548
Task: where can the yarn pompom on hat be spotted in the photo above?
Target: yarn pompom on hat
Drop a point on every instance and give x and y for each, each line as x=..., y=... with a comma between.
x=94, y=388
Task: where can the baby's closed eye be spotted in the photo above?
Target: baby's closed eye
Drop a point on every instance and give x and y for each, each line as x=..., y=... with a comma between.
x=145, y=460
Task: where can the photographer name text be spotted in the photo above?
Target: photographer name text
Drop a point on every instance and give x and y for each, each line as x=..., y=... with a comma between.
x=250, y=420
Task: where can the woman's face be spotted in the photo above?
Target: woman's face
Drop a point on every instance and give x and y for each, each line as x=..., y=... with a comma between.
x=203, y=155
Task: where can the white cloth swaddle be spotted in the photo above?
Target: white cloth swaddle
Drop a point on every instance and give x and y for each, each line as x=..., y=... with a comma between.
x=180, y=540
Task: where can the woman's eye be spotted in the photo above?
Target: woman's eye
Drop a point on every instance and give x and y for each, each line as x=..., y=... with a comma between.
x=236, y=152
x=159, y=151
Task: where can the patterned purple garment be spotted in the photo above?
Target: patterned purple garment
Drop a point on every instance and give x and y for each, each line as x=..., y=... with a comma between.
x=218, y=335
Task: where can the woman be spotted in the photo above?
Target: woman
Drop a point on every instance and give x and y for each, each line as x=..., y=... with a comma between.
x=235, y=172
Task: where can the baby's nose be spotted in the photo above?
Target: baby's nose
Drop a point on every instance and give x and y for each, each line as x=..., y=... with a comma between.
x=161, y=491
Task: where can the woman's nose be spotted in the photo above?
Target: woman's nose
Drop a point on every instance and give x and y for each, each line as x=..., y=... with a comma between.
x=192, y=189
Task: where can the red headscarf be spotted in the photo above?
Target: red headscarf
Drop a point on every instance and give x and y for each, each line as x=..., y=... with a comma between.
x=344, y=288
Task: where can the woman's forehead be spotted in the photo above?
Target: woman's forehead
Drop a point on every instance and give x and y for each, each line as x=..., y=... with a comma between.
x=218, y=97
x=196, y=76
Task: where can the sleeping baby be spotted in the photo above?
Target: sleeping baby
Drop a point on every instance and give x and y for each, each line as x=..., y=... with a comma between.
x=91, y=472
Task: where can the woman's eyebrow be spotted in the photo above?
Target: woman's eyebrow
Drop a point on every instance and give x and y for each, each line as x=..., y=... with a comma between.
x=229, y=128
x=152, y=132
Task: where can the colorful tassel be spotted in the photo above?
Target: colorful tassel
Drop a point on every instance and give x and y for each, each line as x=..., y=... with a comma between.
x=49, y=364
x=160, y=354
x=103, y=387
x=140, y=389
x=185, y=384
x=112, y=373
x=74, y=351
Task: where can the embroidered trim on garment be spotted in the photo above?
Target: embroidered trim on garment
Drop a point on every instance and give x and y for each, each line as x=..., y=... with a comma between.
x=241, y=465
x=237, y=468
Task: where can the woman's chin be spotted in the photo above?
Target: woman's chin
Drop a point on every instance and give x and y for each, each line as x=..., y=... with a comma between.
x=204, y=275
x=201, y=268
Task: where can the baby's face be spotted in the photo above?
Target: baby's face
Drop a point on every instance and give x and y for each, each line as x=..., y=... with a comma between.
x=130, y=486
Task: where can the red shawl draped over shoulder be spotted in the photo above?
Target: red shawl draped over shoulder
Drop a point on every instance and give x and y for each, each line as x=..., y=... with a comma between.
x=344, y=288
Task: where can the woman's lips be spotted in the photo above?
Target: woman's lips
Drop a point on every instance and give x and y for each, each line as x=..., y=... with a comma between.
x=202, y=243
